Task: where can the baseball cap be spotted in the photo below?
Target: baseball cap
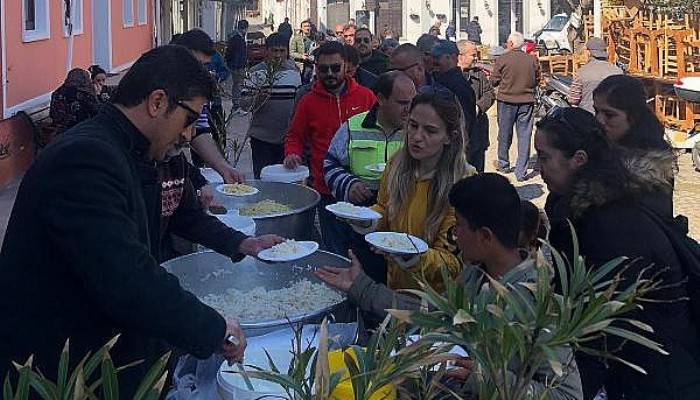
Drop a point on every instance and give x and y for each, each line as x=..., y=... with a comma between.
x=426, y=42
x=597, y=47
x=444, y=47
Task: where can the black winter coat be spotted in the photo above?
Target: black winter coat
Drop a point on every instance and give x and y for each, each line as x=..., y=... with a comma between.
x=610, y=225
x=455, y=81
x=79, y=259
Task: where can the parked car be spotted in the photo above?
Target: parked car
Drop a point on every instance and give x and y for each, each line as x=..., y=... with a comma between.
x=256, y=47
x=554, y=36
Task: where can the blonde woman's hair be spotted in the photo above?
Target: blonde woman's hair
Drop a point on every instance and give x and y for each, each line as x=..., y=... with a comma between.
x=401, y=178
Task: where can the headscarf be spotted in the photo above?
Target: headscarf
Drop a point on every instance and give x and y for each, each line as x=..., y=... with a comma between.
x=80, y=80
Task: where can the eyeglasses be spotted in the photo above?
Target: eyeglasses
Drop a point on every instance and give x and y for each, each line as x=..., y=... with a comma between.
x=363, y=40
x=192, y=115
x=406, y=68
x=324, y=69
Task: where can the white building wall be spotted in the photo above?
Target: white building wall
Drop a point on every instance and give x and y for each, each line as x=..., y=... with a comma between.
x=536, y=14
x=487, y=11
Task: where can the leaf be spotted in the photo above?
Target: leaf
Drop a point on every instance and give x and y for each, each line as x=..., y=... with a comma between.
x=462, y=317
x=597, y=327
x=401, y=315
x=150, y=379
x=79, y=389
x=637, y=338
x=497, y=286
x=110, y=387
x=322, y=378
x=556, y=367
x=7, y=392
x=63, y=367
x=495, y=310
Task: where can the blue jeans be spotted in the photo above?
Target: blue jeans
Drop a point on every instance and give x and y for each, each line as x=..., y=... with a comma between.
x=338, y=237
x=520, y=115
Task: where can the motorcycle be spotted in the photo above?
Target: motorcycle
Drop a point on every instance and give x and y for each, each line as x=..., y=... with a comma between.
x=552, y=94
x=688, y=89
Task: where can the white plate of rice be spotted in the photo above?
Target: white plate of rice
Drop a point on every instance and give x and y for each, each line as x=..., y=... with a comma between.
x=236, y=189
x=353, y=212
x=396, y=242
x=288, y=250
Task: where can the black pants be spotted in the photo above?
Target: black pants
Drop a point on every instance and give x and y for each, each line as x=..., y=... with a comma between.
x=265, y=154
x=478, y=142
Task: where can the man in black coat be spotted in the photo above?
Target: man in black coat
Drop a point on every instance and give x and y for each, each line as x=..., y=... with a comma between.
x=448, y=74
x=79, y=257
x=485, y=97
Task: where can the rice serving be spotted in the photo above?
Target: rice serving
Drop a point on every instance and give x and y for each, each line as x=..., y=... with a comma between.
x=264, y=207
x=259, y=304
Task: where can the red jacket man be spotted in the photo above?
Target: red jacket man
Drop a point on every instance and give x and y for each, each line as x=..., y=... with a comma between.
x=332, y=100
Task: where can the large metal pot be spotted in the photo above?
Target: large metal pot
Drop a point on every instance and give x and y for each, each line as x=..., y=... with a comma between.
x=211, y=273
x=296, y=224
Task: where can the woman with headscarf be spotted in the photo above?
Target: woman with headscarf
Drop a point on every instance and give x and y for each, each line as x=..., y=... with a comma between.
x=74, y=101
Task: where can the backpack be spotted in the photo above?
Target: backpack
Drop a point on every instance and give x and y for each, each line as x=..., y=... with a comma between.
x=688, y=252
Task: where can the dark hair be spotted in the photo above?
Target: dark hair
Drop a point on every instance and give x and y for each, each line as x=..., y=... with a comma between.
x=627, y=94
x=532, y=226
x=242, y=24
x=385, y=83
x=276, y=40
x=363, y=29
x=196, y=40
x=490, y=201
x=171, y=68
x=96, y=70
x=175, y=38
x=572, y=129
x=352, y=54
x=306, y=21
x=330, y=48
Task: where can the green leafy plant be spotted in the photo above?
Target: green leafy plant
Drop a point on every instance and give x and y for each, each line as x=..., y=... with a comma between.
x=84, y=382
x=510, y=328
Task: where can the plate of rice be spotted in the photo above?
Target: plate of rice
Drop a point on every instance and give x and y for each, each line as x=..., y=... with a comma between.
x=353, y=212
x=289, y=250
x=236, y=189
x=396, y=242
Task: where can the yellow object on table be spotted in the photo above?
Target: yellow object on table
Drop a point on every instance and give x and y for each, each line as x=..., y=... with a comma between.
x=344, y=391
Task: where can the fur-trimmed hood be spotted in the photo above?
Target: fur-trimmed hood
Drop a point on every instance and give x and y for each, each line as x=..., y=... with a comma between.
x=650, y=170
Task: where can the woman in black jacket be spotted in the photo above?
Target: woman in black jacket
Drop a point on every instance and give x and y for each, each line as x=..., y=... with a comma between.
x=591, y=187
x=622, y=111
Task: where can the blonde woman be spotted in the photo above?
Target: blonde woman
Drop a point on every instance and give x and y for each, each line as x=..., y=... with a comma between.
x=413, y=193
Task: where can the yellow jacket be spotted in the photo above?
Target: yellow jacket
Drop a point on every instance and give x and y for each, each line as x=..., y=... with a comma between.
x=411, y=219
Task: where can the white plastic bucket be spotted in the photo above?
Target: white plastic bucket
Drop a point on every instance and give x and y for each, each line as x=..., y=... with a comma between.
x=278, y=173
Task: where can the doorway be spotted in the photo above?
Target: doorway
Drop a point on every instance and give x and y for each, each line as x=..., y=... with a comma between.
x=102, y=34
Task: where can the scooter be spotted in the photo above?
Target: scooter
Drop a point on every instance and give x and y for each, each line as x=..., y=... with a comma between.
x=688, y=89
x=553, y=94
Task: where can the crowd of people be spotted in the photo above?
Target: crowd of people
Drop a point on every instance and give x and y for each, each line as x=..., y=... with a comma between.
x=339, y=106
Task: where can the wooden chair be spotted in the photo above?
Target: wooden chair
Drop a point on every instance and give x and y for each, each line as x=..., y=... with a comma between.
x=559, y=65
x=18, y=137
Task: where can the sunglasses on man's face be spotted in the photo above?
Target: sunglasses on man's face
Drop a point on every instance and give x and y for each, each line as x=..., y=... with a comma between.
x=363, y=40
x=324, y=68
x=192, y=115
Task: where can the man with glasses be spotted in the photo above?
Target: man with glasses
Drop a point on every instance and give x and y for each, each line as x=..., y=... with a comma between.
x=334, y=97
x=85, y=264
x=408, y=59
x=372, y=60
